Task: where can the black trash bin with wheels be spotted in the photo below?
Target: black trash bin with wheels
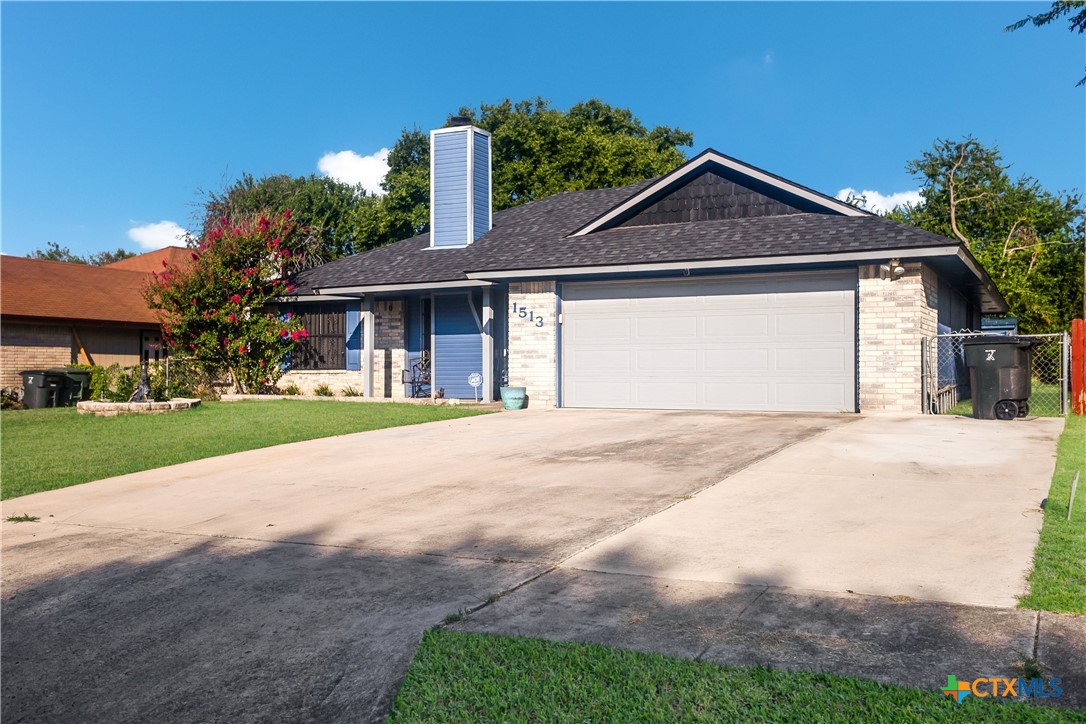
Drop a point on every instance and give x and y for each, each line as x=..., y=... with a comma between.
x=1000, y=372
x=40, y=388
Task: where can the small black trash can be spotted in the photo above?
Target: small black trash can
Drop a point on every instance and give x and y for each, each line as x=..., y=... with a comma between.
x=78, y=384
x=40, y=388
x=1000, y=375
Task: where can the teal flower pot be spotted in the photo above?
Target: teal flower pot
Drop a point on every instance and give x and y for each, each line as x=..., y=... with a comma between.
x=514, y=398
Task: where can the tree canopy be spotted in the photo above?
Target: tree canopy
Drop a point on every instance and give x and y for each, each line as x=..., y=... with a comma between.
x=329, y=211
x=536, y=151
x=1028, y=238
x=55, y=252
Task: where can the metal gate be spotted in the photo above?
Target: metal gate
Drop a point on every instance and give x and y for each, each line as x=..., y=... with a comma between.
x=945, y=378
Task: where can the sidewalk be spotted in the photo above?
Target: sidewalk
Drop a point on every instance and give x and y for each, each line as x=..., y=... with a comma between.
x=906, y=642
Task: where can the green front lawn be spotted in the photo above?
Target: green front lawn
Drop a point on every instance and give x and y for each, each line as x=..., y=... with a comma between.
x=472, y=677
x=48, y=449
x=1058, y=580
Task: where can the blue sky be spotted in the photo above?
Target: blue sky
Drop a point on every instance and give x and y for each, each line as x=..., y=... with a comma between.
x=115, y=115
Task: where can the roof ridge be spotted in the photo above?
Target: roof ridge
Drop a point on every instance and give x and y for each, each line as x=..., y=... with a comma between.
x=5, y=258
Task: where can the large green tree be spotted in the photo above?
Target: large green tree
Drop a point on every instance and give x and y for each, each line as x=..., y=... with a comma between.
x=55, y=252
x=328, y=210
x=536, y=151
x=1028, y=238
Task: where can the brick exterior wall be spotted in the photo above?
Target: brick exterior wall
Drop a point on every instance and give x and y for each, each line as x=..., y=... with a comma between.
x=308, y=380
x=388, y=360
x=32, y=347
x=533, y=350
x=389, y=349
x=893, y=317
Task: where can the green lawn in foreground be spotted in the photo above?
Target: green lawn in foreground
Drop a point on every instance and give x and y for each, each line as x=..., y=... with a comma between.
x=1044, y=401
x=47, y=449
x=1058, y=580
x=473, y=677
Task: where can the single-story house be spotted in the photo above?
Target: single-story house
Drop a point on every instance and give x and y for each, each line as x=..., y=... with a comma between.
x=54, y=313
x=718, y=286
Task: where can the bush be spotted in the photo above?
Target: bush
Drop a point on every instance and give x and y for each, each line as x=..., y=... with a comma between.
x=291, y=389
x=10, y=399
x=350, y=391
x=322, y=390
x=220, y=308
x=184, y=378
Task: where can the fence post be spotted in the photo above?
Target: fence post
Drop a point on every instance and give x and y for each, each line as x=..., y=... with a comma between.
x=1078, y=366
x=1064, y=372
x=923, y=375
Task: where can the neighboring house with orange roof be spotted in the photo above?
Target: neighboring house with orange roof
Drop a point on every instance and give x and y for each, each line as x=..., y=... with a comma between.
x=152, y=260
x=55, y=313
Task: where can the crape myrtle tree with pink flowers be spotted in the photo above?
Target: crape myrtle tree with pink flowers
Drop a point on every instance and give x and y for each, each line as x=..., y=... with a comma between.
x=221, y=308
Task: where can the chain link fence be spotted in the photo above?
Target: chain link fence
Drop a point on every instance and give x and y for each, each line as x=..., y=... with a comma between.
x=945, y=377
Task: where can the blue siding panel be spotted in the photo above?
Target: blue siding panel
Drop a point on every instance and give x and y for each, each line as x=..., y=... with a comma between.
x=458, y=345
x=354, y=337
x=480, y=173
x=450, y=189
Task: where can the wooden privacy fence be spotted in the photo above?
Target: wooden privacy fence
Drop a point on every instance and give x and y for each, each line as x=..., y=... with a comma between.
x=1078, y=366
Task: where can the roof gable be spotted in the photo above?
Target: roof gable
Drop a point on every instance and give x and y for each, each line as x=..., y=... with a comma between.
x=715, y=187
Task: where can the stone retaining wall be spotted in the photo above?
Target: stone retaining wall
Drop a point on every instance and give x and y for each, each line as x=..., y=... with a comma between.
x=112, y=409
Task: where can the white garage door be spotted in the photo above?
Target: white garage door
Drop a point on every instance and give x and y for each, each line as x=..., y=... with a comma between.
x=755, y=342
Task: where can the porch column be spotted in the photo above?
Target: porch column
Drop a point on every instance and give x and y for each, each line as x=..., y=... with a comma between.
x=488, y=346
x=367, y=345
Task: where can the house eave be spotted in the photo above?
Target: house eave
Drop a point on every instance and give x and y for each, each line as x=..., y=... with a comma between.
x=797, y=259
x=363, y=289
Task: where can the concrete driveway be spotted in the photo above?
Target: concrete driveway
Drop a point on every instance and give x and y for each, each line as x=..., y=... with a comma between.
x=294, y=582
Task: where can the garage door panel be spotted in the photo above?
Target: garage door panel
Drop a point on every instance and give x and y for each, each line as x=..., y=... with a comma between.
x=662, y=326
x=736, y=325
x=756, y=342
x=602, y=393
x=738, y=395
x=661, y=393
x=667, y=360
x=812, y=395
x=813, y=359
x=736, y=360
x=599, y=328
x=811, y=324
x=589, y=361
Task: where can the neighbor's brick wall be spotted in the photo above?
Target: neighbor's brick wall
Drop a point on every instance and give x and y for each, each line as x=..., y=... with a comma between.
x=388, y=360
x=894, y=317
x=32, y=347
x=389, y=349
x=533, y=350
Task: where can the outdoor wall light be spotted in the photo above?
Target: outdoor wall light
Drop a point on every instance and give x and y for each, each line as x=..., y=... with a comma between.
x=892, y=270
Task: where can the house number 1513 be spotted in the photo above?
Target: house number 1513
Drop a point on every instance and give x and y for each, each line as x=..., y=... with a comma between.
x=525, y=313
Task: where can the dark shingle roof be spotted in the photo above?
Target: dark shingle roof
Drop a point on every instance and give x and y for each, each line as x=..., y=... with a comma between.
x=536, y=235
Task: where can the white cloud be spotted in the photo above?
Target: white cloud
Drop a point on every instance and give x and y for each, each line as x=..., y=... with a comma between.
x=881, y=203
x=156, y=236
x=350, y=168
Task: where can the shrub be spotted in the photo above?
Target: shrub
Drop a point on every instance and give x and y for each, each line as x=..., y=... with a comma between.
x=322, y=390
x=350, y=391
x=220, y=307
x=291, y=389
x=10, y=399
